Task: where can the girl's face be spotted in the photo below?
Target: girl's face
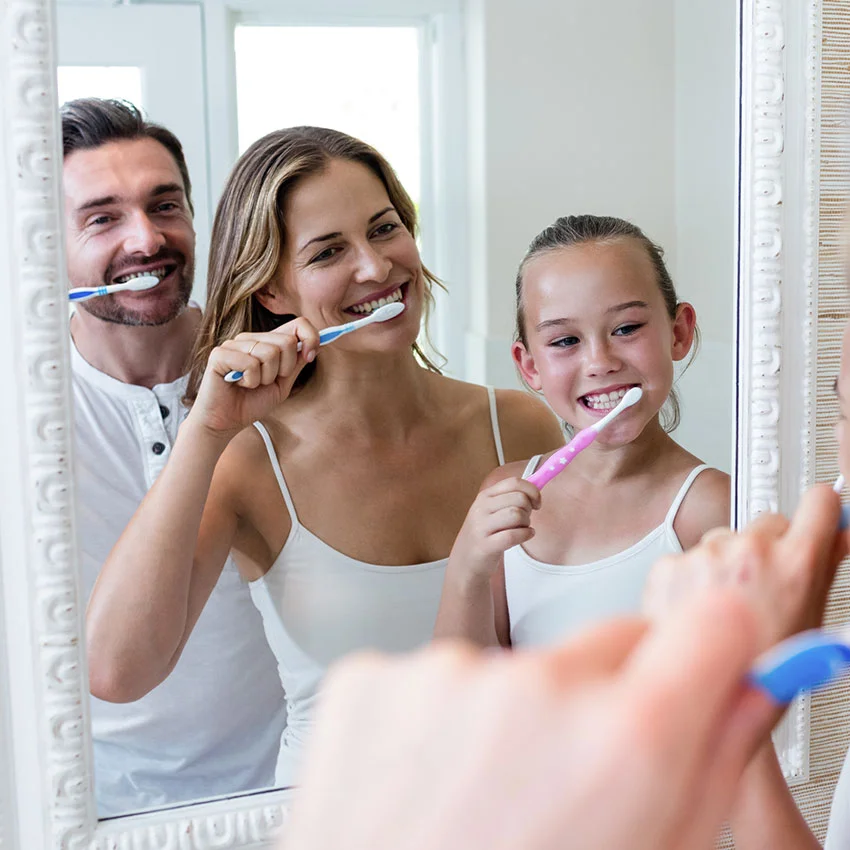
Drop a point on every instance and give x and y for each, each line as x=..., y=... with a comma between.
x=346, y=254
x=596, y=325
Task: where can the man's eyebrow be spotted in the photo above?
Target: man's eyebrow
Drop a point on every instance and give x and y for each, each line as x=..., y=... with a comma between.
x=107, y=200
x=336, y=234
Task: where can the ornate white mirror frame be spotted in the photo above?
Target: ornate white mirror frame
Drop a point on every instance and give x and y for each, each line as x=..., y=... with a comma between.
x=46, y=795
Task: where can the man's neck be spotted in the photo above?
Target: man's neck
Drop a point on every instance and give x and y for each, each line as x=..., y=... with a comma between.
x=142, y=356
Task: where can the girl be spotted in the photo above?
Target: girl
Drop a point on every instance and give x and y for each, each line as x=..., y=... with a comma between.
x=342, y=502
x=597, y=314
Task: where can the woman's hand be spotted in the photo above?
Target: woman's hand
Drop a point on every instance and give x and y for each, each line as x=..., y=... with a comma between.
x=270, y=363
x=500, y=517
x=618, y=739
x=784, y=567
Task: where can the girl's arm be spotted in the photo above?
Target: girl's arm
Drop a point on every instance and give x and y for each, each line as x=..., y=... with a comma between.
x=158, y=576
x=499, y=518
x=707, y=505
x=765, y=816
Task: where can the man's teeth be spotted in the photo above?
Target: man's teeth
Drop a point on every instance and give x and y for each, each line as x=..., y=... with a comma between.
x=159, y=273
x=605, y=401
x=371, y=306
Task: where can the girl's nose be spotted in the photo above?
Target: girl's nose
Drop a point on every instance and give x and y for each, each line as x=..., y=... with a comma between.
x=601, y=359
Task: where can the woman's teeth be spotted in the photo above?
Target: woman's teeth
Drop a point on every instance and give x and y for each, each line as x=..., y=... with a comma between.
x=371, y=306
x=159, y=273
x=604, y=401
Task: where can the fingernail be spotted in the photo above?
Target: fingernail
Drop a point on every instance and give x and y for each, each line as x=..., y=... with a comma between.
x=311, y=356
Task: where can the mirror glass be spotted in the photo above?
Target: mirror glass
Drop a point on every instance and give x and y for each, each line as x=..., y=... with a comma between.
x=498, y=118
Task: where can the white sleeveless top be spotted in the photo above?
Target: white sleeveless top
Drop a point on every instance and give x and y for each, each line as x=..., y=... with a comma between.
x=547, y=602
x=318, y=605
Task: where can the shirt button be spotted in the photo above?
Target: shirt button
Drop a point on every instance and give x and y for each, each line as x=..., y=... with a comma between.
x=158, y=448
x=164, y=411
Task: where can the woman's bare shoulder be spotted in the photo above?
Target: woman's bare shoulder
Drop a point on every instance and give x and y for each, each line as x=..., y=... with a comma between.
x=527, y=424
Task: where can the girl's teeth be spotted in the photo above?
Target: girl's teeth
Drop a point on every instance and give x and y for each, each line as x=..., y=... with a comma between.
x=604, y=401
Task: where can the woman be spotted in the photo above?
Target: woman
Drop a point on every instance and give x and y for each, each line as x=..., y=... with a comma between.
x=341, y=505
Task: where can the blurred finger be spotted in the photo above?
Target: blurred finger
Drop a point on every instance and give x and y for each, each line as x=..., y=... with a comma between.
x=513, y=499
x=769, y=525
x=516, y=485
x=814, y=526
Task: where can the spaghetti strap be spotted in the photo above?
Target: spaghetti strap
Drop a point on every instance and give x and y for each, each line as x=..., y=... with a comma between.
x=278, y=472
x=531, y=466
x=683, y=491
x=494, y=422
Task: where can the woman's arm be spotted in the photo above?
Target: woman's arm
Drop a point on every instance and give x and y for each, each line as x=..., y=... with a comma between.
x=159, y=575
x=765, y=816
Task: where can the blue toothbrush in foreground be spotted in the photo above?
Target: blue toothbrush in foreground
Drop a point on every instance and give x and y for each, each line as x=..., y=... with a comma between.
x=382, y=314
x=801, y=662
x=137, y=284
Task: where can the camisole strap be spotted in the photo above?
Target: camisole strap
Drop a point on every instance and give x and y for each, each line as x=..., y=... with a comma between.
x=278, y=472
x=683, y=491
x=494, y=422
x=531, y=466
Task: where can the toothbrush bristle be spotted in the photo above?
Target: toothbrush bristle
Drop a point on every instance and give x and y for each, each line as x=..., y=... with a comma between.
x=139, y=284
x=388, y=311
x=633, y=396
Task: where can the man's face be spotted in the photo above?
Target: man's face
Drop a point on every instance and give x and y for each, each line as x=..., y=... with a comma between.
x=126, y=213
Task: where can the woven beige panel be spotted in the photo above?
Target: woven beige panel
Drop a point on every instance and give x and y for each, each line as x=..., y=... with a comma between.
x=830, y=727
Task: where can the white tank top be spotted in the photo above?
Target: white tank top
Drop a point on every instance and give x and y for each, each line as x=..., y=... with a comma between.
x=547, y=602
x=318, y=604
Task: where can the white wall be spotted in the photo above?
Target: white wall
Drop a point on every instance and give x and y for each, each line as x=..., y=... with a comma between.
x=706, y=224
x=611, y=107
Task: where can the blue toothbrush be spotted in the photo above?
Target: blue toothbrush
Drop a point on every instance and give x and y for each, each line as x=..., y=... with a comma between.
x=382, y=314
x=137, y=284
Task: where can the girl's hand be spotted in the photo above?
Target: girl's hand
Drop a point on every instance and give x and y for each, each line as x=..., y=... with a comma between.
x=616, y=739
x=785, y=568
x=500, y=517
x=270, y=363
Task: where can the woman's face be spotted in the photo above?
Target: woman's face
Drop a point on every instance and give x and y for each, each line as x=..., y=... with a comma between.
x=596, y=325
x=347, y=253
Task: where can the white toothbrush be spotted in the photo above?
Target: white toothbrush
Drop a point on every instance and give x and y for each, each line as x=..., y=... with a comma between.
x=563, y=457
x=382, y=314
x=137, y=284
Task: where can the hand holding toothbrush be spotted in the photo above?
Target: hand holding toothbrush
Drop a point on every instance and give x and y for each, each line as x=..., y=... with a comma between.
x=785, y=568
x=270, y=363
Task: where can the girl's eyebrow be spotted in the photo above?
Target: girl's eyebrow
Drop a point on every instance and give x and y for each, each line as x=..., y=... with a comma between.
x=565, y=320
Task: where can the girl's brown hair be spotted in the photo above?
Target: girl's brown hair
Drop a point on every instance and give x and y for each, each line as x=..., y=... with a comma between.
x=577, y=229
x=249, y=233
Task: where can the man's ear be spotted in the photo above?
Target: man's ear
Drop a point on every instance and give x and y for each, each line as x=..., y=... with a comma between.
x=525, y=363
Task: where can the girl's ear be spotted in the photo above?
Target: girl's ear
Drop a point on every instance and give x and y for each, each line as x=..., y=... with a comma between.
x=525, y=363
x=684, y=328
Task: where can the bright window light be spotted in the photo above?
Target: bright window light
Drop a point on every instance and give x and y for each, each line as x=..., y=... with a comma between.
x=361, y=80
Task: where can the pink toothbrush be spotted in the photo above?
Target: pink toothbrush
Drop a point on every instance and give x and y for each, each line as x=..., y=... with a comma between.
x=563, y=457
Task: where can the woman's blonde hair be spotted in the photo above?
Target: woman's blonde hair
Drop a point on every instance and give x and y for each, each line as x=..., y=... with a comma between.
x=249, y=233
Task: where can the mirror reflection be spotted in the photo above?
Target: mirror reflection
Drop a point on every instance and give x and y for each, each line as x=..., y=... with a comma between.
x=239, y=536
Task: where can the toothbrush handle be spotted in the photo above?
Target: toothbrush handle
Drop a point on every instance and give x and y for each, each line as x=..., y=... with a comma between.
x=325, y=336
x=85, y=293
x=563, y=457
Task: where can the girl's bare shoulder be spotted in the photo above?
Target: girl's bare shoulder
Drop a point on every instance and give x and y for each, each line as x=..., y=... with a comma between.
x=707, y=505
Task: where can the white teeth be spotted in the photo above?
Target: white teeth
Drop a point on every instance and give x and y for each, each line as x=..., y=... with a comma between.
x=371, y=306
x=604, y=401
x=158, y=273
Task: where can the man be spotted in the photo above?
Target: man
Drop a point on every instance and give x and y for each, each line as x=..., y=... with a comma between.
x=214, y=726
